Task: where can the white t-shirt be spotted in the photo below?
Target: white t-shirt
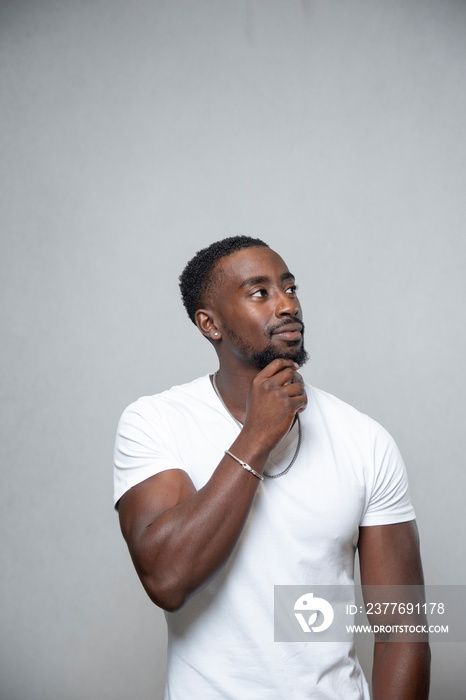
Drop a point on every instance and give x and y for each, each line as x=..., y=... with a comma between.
x=302, y=529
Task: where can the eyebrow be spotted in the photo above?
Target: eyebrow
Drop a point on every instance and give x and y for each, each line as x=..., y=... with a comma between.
x=262, y=279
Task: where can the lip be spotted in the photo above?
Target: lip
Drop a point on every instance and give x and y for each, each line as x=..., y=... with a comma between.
x=292, y=331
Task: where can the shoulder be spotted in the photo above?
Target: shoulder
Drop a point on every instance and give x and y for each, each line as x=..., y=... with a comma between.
x=332, y=406
x=150, y=432
x=343, y=418
x=164, y=404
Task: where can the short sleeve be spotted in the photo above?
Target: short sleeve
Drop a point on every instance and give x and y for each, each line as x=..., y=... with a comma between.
x=141, y=447
x=388, y=500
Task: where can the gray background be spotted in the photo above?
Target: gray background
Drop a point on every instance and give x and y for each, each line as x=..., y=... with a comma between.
x=133, y=134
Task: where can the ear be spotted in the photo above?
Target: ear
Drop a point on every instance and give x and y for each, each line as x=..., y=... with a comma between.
x=206, y=324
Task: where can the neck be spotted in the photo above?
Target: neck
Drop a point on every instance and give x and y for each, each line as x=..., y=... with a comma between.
x=233, y=384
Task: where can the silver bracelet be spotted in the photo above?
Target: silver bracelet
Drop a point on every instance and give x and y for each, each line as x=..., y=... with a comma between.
x=245, y=465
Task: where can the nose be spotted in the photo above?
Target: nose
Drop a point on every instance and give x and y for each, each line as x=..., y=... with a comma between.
x=287, y=305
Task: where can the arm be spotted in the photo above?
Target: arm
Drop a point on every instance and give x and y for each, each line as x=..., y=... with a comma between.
x=178, y=537
x=389, y=555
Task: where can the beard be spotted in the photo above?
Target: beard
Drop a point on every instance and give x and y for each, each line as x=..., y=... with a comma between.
x=264, y=357
x=270, y=353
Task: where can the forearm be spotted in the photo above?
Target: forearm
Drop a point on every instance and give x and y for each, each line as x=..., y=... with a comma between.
x=401, y=671
x=182, y=548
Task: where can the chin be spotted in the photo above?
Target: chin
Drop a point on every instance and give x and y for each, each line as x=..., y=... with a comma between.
x=270, y=353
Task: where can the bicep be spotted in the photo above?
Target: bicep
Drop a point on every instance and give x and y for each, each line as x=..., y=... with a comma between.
x=390, y=555
x=144, y=503
x=391, y=574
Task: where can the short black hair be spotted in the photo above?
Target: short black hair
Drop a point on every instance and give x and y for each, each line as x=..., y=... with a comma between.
x=196, y=278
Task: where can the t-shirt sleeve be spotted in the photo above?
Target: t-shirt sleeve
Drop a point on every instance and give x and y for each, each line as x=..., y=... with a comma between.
x=142, y=448
x=388, y=499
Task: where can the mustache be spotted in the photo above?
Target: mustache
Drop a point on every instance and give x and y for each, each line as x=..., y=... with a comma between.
x=291, y=320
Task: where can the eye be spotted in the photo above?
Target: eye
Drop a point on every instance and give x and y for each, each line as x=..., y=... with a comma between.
x=259, y=293
x=292, y=290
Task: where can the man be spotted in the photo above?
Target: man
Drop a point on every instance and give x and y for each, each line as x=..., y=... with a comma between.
x=249, y=478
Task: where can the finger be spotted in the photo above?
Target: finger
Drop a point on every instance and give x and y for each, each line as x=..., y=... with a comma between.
x=299, y=401
x=277, y=366
x=294, y=378
x=285, y=376
x=295, y=389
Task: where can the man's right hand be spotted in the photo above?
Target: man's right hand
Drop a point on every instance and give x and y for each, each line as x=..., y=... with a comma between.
x=276, y=396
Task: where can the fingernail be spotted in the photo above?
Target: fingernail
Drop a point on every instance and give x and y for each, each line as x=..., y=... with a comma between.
x=296, y=365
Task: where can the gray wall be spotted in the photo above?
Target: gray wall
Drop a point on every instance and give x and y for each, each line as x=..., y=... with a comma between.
x=131, y=135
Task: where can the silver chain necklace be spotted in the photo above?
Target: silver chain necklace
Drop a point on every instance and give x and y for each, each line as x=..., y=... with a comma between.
x=300, y=434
